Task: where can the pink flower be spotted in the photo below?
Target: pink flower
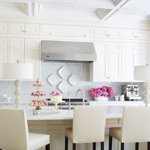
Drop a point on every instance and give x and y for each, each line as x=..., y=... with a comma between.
x=102, y=91
x=105, y=94
x=55, y=93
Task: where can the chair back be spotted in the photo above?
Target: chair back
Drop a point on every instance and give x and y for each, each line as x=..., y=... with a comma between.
x=136, y=124
x=13, y=130
x=89, y=124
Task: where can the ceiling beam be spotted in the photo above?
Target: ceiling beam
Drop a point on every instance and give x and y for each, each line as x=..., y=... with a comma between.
x=29, y=9
x=101, y=13
x=36, y=9
x=119, y=5
x=82, y=3
x=78, y=3
x=16, y=1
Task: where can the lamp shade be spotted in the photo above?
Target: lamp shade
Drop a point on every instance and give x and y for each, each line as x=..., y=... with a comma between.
x=142, y=73
x=18, y=71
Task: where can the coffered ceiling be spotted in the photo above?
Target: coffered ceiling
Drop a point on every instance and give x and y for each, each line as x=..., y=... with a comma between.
x=76, y=10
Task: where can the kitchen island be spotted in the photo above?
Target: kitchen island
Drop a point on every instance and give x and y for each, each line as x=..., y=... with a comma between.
x=54, y=122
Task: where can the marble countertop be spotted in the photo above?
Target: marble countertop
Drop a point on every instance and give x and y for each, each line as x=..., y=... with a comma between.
x=114, y=110
x=65, y=115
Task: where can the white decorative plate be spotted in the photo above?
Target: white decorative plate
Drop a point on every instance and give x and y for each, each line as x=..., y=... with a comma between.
x=53, y=79
x=63, y=87
x=73, y=80
x=64, y=72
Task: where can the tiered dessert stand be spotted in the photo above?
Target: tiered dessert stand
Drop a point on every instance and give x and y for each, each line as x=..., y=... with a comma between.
x=38, y=94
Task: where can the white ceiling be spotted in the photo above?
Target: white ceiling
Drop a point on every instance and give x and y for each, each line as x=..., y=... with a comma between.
x=77, y=10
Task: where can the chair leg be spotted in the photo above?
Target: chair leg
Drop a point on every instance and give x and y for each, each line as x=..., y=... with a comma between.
x=66, y=143
x=94, y=146
x=102, y=145
x=136, y=146
x=122, y=146
x=74, y=146
x=148, y=145
x=47, y=147
x=110, y=142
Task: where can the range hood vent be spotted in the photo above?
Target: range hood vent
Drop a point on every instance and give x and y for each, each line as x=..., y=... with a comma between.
x=67, y=51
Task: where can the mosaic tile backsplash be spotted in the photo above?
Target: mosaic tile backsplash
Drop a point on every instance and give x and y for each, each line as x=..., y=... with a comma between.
x=65, y=77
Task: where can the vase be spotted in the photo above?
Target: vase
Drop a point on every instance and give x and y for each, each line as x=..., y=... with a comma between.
x=101, y=98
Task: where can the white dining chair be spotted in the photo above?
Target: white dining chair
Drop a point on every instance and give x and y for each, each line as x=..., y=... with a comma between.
x=135, y=127
x=14, y=133
x=88, y=126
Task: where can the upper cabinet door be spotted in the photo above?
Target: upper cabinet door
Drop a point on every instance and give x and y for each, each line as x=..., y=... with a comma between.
x=141, y=54
x=127, y=61
x=114, y=61
x=16, y=50
x=32, y=55
x=3, y=53
x=66, y=31
x=108, y=64
x=3, y=28
x=98, y=68
x=20, y=28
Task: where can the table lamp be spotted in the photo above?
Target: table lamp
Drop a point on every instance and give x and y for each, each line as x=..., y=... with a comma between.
x=143, y=73
x=18, y=72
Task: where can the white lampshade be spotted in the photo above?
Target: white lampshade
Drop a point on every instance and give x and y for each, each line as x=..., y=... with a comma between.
x=142, y=73
x=18, y=71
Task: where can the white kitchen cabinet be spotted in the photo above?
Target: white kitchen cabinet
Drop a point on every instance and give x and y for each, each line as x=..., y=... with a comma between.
x=32, y=55
x=127, y=61
x=3, y=53
x=21, y=28
x=16, y=50
x=114, y=62
x=3, y=28
x=98, y=68
x=57, y=31
x=108, y=66
x=141, y=54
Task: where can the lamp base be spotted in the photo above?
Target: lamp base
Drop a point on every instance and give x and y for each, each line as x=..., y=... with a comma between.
x=17, y=93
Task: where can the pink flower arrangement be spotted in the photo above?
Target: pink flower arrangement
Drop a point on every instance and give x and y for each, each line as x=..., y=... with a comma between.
x=105, y=91
x=55, y=93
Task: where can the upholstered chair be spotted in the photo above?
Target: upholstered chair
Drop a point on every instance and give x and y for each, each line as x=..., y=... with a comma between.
x=14, y=132
x=135, y=127
x=88, y=126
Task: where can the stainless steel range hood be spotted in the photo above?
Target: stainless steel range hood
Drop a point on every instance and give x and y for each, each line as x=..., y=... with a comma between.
x=67, y=51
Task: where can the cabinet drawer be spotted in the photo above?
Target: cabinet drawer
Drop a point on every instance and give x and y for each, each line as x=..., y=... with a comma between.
x=134, y=34
x=17, y=28
x=106, y=33
x=21, y=28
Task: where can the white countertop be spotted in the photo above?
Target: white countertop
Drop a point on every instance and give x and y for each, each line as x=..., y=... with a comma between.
x=64, y=115
x=114, y=110
x=118, y=103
